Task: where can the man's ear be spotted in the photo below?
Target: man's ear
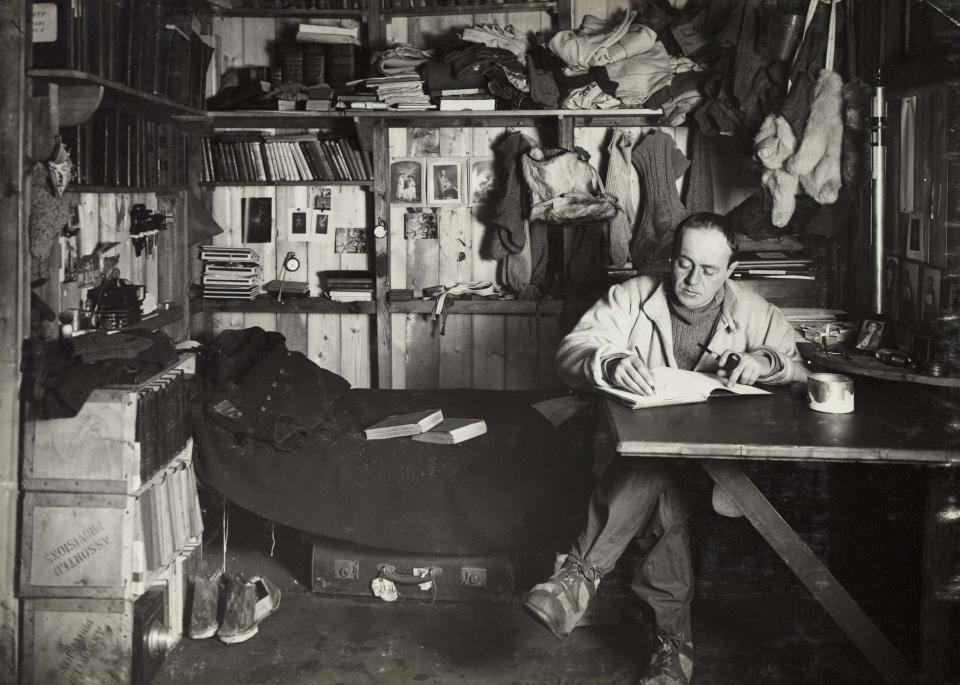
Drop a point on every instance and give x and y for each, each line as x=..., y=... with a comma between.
x=732, y=268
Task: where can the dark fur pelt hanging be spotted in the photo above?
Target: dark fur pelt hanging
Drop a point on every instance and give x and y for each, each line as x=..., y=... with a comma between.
x=854, y=160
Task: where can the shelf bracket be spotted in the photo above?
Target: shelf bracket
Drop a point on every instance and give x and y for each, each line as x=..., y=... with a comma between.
x=72, y=105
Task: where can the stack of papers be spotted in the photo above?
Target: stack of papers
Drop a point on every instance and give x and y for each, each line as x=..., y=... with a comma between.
x=230, y=272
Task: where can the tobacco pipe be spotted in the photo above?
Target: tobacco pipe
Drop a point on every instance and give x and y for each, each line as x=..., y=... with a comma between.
x=732, y=360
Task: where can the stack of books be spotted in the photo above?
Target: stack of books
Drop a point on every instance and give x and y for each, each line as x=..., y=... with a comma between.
x=230, y=272
x=773, y=264
x=348, y=285
x=403, y=92
x=464, y=99
x=254, y=157
x=343, y=35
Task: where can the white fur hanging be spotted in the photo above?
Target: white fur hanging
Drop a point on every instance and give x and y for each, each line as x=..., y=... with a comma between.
x=817, y=160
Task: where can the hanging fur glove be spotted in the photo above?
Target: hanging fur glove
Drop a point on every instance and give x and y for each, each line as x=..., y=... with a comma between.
x=782, y=186
x=774, y=142
x=817, y=160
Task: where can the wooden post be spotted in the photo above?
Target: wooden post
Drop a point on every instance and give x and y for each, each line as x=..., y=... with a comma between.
x=13, y=275
x=381, y=215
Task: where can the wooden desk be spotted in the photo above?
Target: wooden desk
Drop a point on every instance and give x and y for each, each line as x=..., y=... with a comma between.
x=892, y=423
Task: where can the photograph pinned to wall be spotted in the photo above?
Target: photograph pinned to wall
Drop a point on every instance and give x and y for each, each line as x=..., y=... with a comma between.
x=420, y=223
x=950, y=294
x=406, y=181
x=322, y=199
x=443, y=182
x=909, y=277
x=423, y=142
x=929, y=295
x=916, y=237
x=297, y=227
x=257, y=216
x=319, y=226
x=350, y=240
x=482, y=181
x=891, y=272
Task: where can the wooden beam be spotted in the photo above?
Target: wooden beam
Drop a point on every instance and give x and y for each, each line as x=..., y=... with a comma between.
x=13, y=284
x=825, y=588
x=381, y=217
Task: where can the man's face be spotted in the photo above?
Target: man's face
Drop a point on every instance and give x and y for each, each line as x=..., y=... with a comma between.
x=701, y=266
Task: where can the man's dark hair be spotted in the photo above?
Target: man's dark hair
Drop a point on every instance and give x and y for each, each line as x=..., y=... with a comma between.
x=706, y=220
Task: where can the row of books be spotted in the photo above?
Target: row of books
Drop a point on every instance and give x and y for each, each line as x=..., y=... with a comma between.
x=348, y=285
x=253, y=157
x=168, y=514
x=139, y=43
x=230, y=272
x=162, y=422
x=124, y=150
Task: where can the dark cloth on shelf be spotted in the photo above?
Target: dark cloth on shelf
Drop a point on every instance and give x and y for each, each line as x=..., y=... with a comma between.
x=479, y=60
x=60, y=375
x=438, y=75
x=543, y=86
x=493, y=494
x=507, y=211
x=698, y=196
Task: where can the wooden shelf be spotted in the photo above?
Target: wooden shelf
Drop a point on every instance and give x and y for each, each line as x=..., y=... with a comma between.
x=518, y=117
x=861, y=365
x=219, y=184
x=461, y=8
x=113, y=95
x=267, y=13
x=293, y=305
x=159, y=190
x=454, y=306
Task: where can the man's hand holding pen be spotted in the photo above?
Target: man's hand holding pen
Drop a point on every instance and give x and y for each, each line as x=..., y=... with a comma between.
x=630, y=373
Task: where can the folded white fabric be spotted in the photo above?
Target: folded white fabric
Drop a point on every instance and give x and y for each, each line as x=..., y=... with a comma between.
x=589, y=46
x=495, y=36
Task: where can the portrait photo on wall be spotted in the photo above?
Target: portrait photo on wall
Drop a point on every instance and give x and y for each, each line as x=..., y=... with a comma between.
x=257, y=217
x=444, y=182
x=350, y=240
x=916, y=237
x=891, y=272
x=406, y=181
x=929, y=295
x=909, y=284
x=297, y=228
x=322, y=199
x=482, y=181
x=950, y=295
x=869, y=337
x=420, y=223
x=319, y=227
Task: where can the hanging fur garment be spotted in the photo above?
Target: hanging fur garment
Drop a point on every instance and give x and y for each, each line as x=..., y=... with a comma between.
x=774, y=142
x=817, y=160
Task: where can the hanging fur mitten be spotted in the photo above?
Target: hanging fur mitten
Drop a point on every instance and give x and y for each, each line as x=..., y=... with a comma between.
x=817, y=160
x=782, y=186
x=774, y=142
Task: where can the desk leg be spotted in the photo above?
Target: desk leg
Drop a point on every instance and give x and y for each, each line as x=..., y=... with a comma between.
x=812, y=573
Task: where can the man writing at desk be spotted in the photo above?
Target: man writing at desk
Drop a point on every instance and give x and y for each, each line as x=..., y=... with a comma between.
x=639, y=325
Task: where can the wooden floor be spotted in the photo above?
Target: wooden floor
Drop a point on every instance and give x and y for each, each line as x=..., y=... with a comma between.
x=753, y=623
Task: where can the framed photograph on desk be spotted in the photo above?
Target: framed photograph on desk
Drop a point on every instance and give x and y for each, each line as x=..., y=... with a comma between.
x=870, y=336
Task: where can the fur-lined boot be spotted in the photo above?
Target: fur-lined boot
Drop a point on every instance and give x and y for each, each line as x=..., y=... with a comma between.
x=782, y=186
x=774, y=142
x=817, y=160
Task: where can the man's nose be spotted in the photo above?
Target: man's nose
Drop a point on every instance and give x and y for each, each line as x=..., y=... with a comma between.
x=693, y=276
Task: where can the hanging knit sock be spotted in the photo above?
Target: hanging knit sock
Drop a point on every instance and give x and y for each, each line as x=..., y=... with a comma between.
x=506, y=216
x=659, y=164
x=620, y=177
x=699, y=192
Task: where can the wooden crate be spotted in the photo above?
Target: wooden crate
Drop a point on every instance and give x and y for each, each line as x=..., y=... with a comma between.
x=94, y=641
x=96, y=450
x=88, y=545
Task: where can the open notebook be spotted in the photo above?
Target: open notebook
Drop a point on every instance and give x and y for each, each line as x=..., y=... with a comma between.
x=676, y=386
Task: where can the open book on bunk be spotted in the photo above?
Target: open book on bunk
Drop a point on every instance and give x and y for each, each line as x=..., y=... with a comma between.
x=676, y=386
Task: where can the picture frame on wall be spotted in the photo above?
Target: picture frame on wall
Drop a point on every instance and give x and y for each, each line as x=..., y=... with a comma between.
x=406, y=181
x=298, y=227
x=950, y=295
x=891, y=277
x=929, y=295
x=909, y=284
x=482, y=181
x=257, y=217
x=444, y=182
x=916, y=237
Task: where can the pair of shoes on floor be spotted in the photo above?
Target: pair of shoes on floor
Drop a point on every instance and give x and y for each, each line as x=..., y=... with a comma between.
x=230, y=607
x=561, y=602
x=671, y=663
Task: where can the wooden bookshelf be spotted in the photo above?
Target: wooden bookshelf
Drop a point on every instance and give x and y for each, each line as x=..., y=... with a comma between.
x=113, y=95
x=255, y=12
x=455, y=306
x=316, y=182
x=267, y=304
x=484, y=8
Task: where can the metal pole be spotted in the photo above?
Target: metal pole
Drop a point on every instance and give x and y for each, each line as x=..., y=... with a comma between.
x=878, y=143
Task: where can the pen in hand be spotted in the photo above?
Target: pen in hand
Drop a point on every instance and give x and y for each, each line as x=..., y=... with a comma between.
x=636, y=348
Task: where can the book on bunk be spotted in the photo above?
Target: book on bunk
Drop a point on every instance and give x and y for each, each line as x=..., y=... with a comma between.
x=678, y=386
x=452, y=431
x=403, y=425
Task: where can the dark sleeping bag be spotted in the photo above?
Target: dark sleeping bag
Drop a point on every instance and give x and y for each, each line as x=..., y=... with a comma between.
x=522, y=487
